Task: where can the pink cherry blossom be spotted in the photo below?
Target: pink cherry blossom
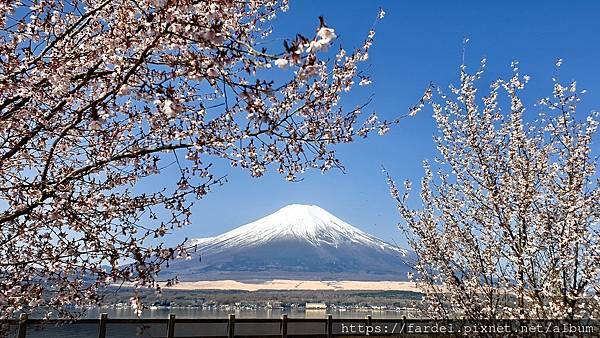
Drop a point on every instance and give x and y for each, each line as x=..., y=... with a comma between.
x=97, y=98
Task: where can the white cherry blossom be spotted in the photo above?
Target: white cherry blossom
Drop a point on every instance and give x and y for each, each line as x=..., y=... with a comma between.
x=281, y=63
x=326, y=35
x=509, y=225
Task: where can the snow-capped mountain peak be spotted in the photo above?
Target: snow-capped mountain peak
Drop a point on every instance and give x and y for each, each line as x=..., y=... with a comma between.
x=308, y=223
x=298, y=242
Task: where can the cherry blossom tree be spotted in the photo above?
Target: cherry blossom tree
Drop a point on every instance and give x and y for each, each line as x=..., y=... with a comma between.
x=508, y=225
x=98, y=97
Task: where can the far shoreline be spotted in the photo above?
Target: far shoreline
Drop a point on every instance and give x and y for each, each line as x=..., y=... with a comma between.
x=293, y=284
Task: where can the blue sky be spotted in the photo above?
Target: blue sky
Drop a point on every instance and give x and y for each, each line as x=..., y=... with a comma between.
x=417, y=42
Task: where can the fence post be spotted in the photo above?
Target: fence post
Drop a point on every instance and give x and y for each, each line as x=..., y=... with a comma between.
x=231, y=326
x=102, y=325
x=22, y=325
x=329, y=326
x=284, y=326
x=171, y=326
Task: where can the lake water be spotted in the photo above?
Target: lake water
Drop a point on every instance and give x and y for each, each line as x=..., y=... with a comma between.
x=191, y=329
x=185, y=312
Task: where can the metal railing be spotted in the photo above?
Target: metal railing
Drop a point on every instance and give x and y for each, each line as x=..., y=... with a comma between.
x=327, y=325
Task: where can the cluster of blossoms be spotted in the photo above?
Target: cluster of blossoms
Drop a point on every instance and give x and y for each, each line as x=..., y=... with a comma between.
x=98, y=97
x=323, y=39
x=510, y=223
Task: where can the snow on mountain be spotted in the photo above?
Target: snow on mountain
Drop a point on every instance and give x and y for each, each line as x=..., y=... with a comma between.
x=296, y=242
x=308, y=223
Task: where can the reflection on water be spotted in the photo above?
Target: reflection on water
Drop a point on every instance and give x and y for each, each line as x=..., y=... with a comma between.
x=190, y=312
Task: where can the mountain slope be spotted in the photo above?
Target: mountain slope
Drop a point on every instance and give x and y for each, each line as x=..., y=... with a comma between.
x=297, y=241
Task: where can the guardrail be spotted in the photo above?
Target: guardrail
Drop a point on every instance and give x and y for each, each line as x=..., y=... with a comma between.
x=326, y=325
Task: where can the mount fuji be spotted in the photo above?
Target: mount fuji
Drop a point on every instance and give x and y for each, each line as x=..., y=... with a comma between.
x=296, y=242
